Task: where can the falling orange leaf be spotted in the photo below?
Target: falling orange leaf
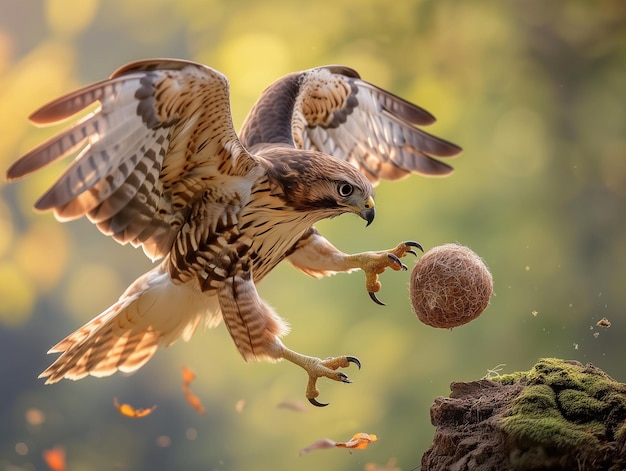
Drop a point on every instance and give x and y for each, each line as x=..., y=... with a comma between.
x=130, y=411
x=359, y=441
x=192, y=399
x=188, y=376
x=55, y=458
x=195, y=402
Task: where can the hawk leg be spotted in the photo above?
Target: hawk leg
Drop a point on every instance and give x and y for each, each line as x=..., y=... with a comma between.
x=316, y=256
x=317, y=368
x=256, y=330
x=374, y=263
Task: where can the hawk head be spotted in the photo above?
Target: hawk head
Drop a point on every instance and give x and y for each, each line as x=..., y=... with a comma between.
x=322, y=185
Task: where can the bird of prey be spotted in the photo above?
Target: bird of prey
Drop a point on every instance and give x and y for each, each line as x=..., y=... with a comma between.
x=159, y=165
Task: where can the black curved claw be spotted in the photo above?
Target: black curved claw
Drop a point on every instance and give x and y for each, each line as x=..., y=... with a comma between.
x=354, y=360
x=411, y=243
x=316, y=403
x=375, y=299
x=412, y=252
x=344, y=378
x=396, y=260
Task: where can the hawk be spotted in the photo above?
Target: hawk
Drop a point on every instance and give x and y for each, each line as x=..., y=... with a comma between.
x=160, y=166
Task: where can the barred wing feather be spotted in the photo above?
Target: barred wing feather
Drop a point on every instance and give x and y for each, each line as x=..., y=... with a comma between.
x=332, y=110
x=161, y=135
x=367, y=126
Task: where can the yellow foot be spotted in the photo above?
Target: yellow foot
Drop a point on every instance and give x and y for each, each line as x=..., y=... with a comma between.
x=317, y=368
x=374, y=263
x=327, y=369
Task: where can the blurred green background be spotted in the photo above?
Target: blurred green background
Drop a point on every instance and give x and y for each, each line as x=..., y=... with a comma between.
x=534, y=91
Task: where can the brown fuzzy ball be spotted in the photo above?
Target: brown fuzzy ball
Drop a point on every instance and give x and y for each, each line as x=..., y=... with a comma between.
x=450, y=286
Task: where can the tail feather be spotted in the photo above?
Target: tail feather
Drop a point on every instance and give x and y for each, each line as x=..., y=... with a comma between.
x=103, y=356
x=153, y=312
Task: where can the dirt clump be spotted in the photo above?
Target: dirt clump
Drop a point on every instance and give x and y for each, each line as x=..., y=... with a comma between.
x=560, y=415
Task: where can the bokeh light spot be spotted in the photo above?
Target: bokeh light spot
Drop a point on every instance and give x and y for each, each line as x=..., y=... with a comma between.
x=42, y=253
x=91, y=286
x=17, y=295
x=68, y=18
x=21, y=448
x=35, y=416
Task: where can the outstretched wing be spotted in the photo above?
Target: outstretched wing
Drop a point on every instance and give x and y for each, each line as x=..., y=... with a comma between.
x=162, y=134
x=332, y=110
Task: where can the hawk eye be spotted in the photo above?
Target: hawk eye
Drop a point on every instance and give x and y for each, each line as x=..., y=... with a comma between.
x=344, y=189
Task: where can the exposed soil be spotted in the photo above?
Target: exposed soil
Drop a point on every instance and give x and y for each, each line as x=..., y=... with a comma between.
x=560, y=415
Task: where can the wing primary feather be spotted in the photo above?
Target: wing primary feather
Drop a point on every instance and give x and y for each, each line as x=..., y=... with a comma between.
x=117, y=188
x=427, y=143
x=334, y=111
x=90, y=127
x=68, y=105
x=400, y=107
x=60, y=145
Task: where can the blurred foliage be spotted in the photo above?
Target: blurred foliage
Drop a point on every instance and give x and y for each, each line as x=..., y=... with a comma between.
x=533, y=91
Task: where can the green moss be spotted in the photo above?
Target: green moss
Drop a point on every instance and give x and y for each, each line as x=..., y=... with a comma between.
x=620, y=433
x=549, y=432
x=510, y=378
x=535, y=418
x=562, y=374
x=564, y=405
x=579, y=405
x=538, y=400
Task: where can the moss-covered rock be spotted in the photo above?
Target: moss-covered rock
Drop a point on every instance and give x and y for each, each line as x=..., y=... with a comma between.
x=560, y=415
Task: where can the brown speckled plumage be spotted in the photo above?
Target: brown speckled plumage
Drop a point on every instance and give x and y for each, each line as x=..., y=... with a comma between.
x=160, y=166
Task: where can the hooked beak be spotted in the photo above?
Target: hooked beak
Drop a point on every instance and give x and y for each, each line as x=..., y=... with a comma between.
x=368, y=212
